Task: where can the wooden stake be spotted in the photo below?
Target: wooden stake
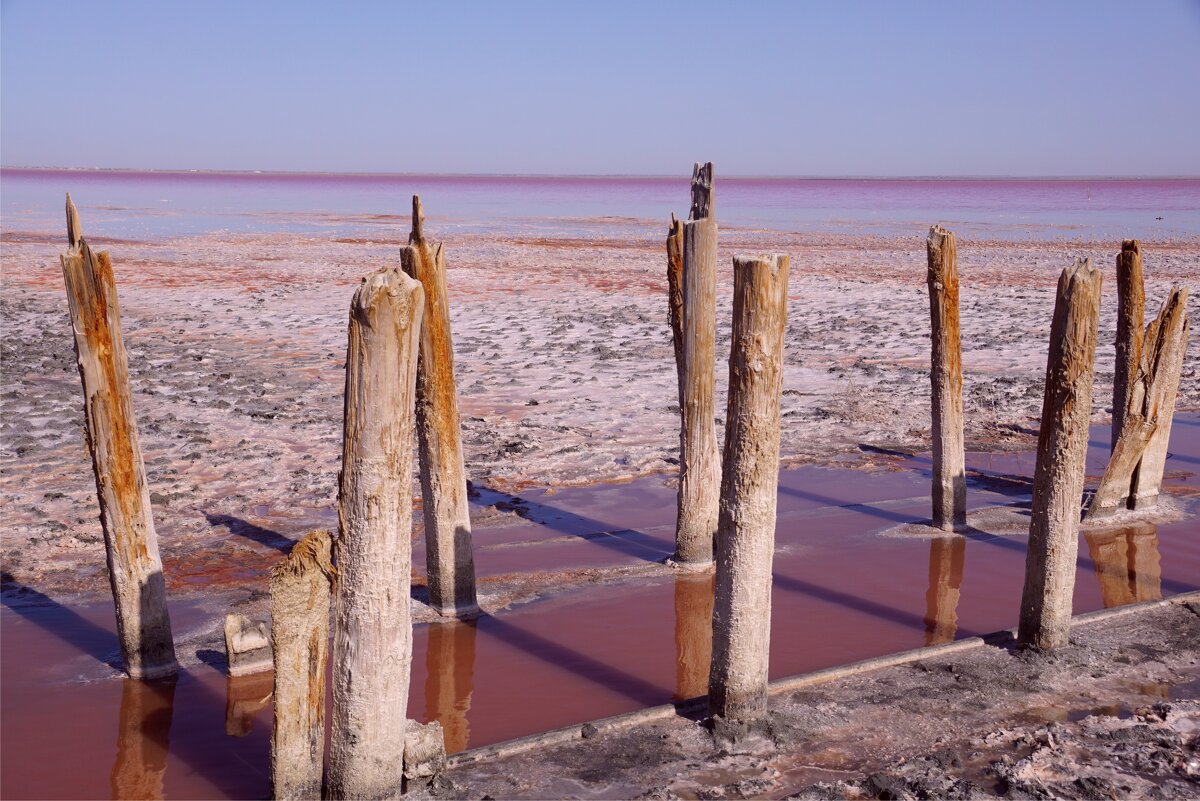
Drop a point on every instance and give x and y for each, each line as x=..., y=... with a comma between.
x=130, y=542
x=372, y=645
x=675, y=302
x=1164, y=347
x=949, y=460
x=750, y=478
x=450, y=562
x=301, y=589
x=1131, y=310
x=1062, y=450
x=699, y=468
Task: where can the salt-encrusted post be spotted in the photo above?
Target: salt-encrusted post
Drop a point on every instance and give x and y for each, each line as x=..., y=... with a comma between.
x=130, y=542
x=372, y=643
x=1131, y=310
x=699, y=465
x=1062, y=448
x=949, y=461
x=450, y=562
x=1164, y=363
x=301, y=588
x=737, y=689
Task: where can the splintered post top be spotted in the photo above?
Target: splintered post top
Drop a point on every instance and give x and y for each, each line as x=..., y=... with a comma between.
x=703, y=201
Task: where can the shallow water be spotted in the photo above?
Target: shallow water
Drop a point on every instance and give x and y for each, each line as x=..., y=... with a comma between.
x=155, y=205
x=841, y=593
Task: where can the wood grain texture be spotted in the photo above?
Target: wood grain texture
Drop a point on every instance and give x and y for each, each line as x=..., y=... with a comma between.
x=450, y=560
x=949, y=458
x=130, y=540
x=1131, y=311
x=372, y=642
x=750, y=478
x=675, y=300
x=699, y=460
x=1062, y=450
x=301, y=598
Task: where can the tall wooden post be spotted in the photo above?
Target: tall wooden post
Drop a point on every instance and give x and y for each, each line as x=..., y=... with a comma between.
x=949, y=460
x=372, y=644
x=1163, y=351
x=130, y=542
x=1131, y=310
x=1062, y=449
x=301, y=589
x=699, y=468
x=737, y=687
x=448, y=552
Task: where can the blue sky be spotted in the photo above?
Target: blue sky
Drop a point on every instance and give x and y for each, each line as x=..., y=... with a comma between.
x=768, y=88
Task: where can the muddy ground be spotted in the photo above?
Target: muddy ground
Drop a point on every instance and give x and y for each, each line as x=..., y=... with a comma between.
x=564, y=362
x=1114, y=715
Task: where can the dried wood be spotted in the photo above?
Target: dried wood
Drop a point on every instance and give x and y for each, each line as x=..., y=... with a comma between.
x=450, y=561
x=372, y=644
x=130, y=541
x=949, y=458
x=1062, y=450
x=1164, y=347
x=1131, y=310
x=750, y=478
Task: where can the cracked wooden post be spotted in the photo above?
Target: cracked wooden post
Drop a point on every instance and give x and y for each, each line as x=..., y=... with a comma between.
x=1167, y=348
x=737, y=689
x=675, y=302
x=372, y=643
x=301, y=590
x=949, y=459
x=1131, y=310
x=450, y=563
x=699, y=465
x=130, y=542
x=1062, y=450
x=1134, y=472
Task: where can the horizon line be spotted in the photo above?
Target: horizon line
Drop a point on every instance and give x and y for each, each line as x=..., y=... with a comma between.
x=654, y=176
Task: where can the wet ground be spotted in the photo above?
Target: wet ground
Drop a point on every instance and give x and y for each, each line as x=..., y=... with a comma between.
x=582, y=620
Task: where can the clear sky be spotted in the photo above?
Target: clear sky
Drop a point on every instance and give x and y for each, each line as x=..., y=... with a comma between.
x=1092, y=87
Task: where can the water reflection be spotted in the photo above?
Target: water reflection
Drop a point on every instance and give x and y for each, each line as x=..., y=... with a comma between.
x=945, y=586
x=693, y=634
x=450, y=668
x=143, y=738
x=245, y=697
x=1127, y=564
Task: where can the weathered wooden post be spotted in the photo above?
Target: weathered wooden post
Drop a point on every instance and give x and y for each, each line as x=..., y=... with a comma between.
x=372, y=644
x=1134, y=473
x=449, y=671
x=945, y=587
x=301, y=589
x=143, y=738
x=675, y=302
x=949, y=460
x=737, y=689
x=130, y=542
x=448, y=551
x=1131, y=310
x=1167, y=347
x=693, y=634
x=1062, y=449
x=699, y=466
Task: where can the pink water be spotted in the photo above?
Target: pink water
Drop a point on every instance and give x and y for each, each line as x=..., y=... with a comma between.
x=154, y=205
x=841, y=593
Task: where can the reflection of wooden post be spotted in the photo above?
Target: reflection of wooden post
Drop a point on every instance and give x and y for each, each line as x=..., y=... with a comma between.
x=449, y=670
x=245, y=697
x=448, y=553
x=693, y=634
x=1131, y=309
x=1062, y=448
x=699, y=465
x=1167, y=346
x=945, y=585
x=372, y=645
x=1127, y=565
x=300, y=601
x=1134, y=473
x=949, y=461
x=1145, y=565
x=143, y=738
x=750, y=478
x=131, y=545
